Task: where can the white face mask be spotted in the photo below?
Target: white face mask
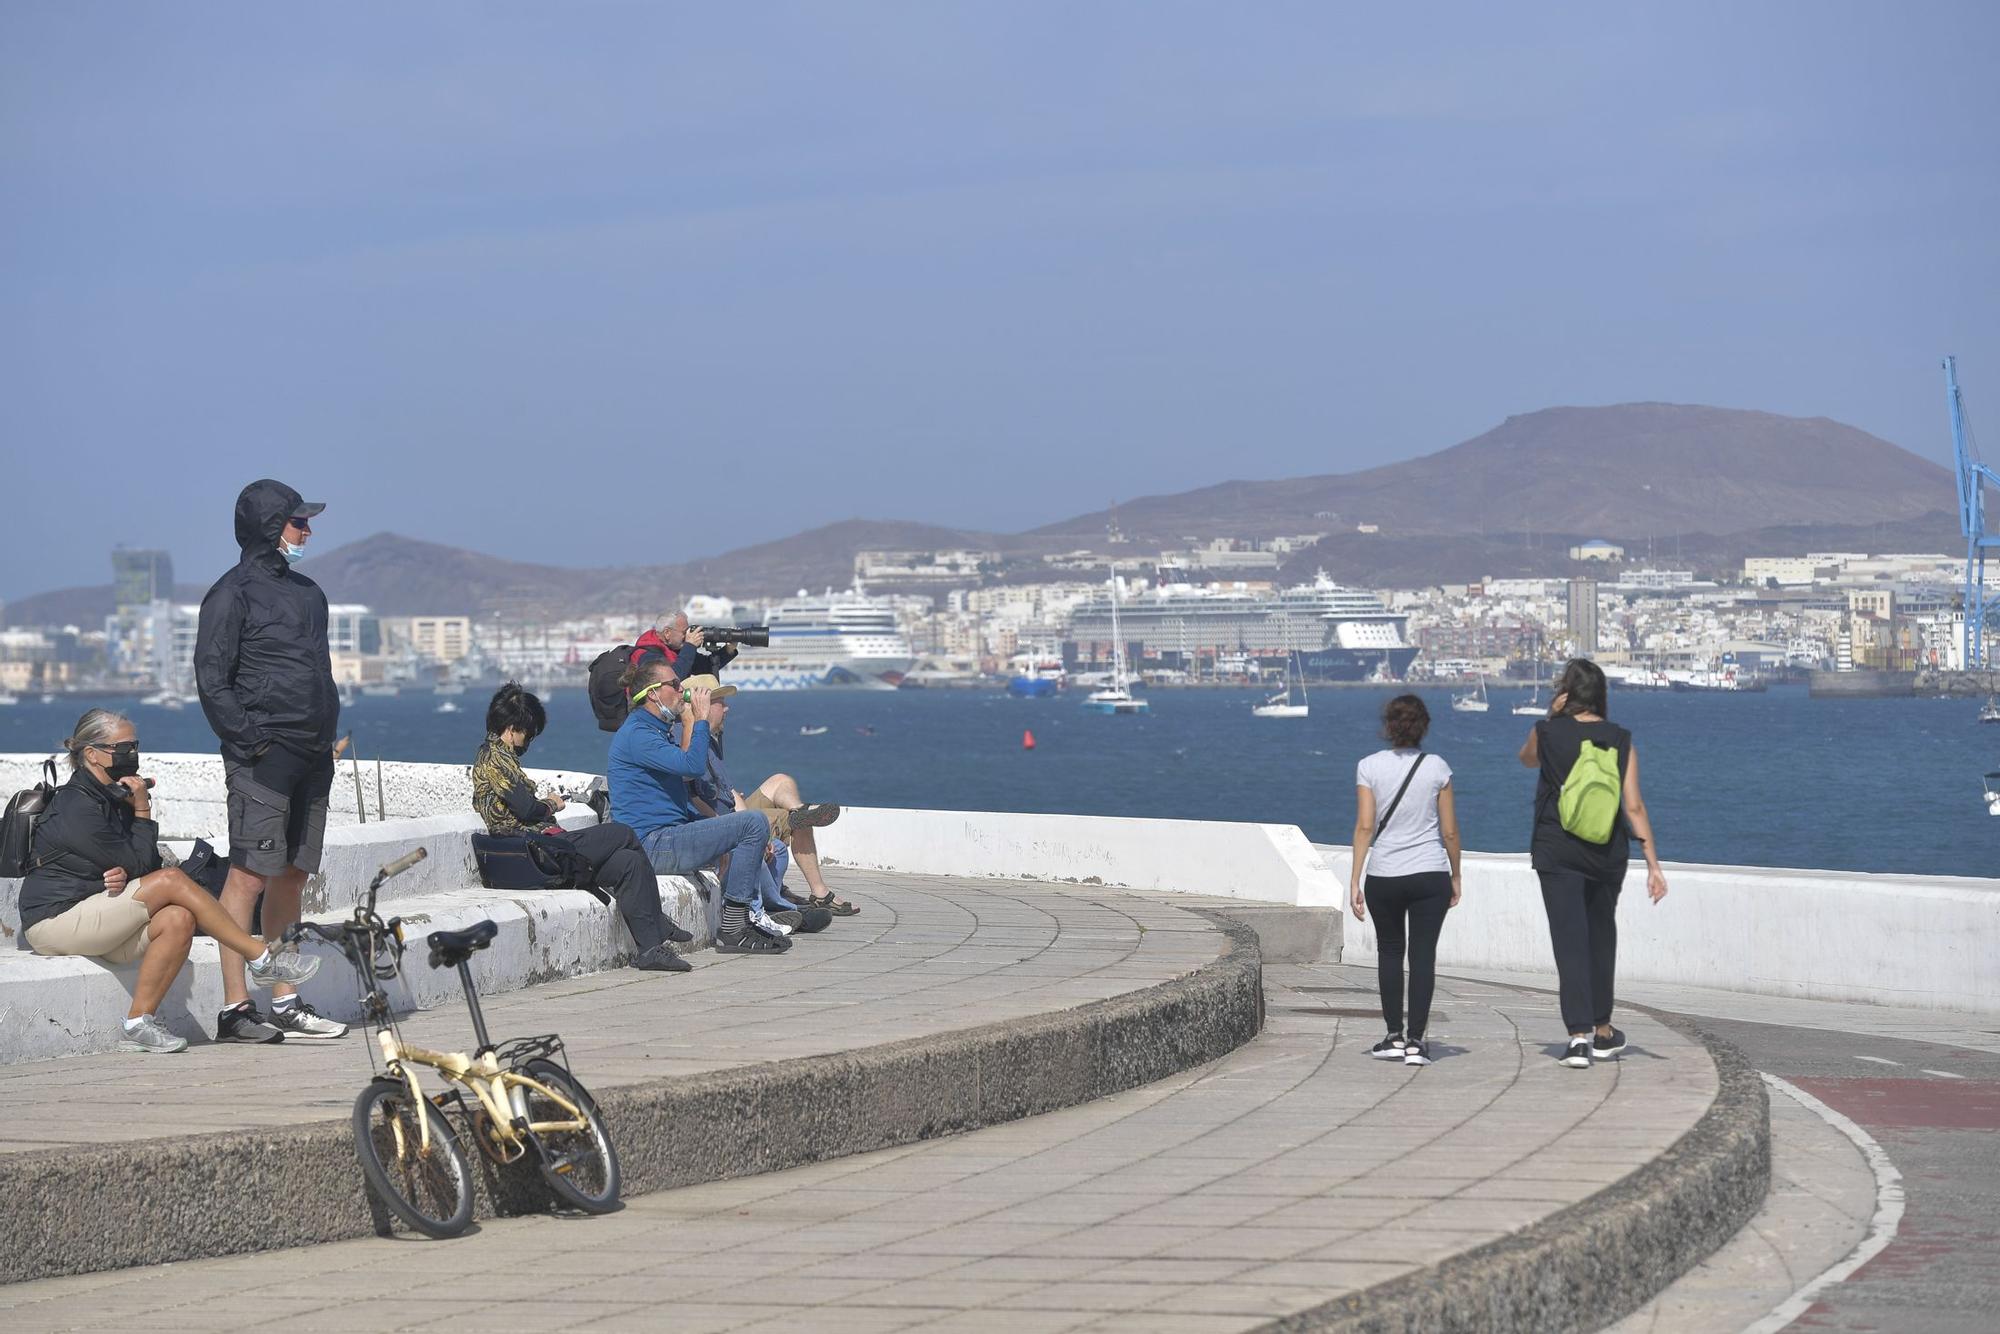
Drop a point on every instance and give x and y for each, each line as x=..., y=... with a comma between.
x=294, y=552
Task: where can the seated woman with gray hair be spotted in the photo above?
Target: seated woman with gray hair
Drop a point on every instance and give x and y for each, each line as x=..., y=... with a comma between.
x=96, y=884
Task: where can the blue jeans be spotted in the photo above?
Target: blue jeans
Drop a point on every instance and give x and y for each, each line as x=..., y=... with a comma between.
x=678, y=848
x=771, y=878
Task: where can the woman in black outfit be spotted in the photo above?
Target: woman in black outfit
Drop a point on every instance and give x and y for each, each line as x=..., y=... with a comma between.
x=1580, y=879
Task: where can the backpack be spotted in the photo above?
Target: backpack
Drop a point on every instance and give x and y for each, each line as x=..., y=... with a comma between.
x=17, y=827
x=607, y=695
x=1591, y=795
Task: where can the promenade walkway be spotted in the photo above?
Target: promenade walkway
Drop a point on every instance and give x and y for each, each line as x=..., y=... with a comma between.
x=1287, y=1175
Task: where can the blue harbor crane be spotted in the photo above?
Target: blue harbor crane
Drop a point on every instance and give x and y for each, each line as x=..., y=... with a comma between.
x=1973, y=477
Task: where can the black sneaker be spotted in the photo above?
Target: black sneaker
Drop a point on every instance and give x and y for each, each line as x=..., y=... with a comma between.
x=1601, y=1046
x=1578, y=1055
x=661, y=959
x=813, y=919
x=751, y=941
x=675, y=932
x=1389, y=1048
x=814, y=815
x=242, y=1023
x=787, y=917
x=300, y=1020
x=1417, y=1052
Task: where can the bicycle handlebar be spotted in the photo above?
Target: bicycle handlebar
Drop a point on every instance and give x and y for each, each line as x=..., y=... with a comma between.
x=402, y=864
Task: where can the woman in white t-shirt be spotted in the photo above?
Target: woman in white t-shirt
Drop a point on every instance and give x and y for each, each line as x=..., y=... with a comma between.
x=1409, y=854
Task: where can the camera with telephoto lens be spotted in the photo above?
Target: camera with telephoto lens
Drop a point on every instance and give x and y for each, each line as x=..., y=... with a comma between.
x=747, y=636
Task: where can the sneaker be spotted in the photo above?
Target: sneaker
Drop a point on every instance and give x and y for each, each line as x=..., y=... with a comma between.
x=1418, y=1052
x=750, y=941
x=661, y=959
x=762, y=921
x=1601, y=1046
x=812, y=920
x=789, y=918
x=1389, y=1048
x=287, y=966
x=676, y=933
x=301, y=1020
x=242, y=1023
x=1578, y=1055
x=814, y=815
x=148, y=1036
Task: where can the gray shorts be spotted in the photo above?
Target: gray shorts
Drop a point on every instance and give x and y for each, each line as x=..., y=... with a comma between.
x=270, y=830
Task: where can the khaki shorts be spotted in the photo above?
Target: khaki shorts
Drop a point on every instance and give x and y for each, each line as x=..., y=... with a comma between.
x=111, y=927
x=781, y=819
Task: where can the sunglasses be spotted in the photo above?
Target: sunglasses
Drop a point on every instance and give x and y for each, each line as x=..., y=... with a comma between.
x=300, y=524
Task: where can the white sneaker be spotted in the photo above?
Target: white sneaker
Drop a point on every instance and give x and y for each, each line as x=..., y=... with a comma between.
x=148, y=1036
x=300, y=1020
x=762, y=921
x=288, y=966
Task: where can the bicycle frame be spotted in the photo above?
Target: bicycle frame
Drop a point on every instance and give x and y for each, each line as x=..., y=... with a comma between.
x=489, y=1082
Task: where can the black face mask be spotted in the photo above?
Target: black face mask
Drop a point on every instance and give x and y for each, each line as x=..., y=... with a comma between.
x=526, y=742
x=124, y=760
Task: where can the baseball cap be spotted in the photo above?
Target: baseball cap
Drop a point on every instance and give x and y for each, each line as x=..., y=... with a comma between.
x=707, y=681
x=306, y=509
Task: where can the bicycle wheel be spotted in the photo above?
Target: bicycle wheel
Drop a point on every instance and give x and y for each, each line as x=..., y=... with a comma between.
x=581, y=1166
x=430, y=1189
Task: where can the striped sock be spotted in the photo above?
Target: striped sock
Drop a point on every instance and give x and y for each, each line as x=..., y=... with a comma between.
x=735, y=918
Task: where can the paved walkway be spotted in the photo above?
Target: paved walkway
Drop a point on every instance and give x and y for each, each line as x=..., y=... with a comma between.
x=1282, y=1176
x=927, y=955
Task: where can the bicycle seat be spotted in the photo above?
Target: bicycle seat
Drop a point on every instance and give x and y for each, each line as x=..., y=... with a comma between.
x=451, y=948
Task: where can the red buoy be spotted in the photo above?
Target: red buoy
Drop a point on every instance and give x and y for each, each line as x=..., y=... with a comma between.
x=1027, y=740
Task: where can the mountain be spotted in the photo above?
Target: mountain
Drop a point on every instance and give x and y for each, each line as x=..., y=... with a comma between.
x=1631, y=469
x=85, y=607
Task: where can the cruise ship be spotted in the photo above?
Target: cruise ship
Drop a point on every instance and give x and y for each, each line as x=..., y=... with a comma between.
x=832, y=640
x=1340, y=634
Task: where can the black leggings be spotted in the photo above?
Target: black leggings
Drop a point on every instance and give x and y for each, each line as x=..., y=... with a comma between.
x=1424, y=899
x=618, y=863
x=1583, y=930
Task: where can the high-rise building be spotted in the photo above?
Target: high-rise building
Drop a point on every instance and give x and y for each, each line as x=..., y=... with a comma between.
x=1583, y=616
x=140, y=578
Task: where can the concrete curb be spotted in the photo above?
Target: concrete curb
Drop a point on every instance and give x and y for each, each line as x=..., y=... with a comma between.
x=76, y=1211
x=1598, y=1260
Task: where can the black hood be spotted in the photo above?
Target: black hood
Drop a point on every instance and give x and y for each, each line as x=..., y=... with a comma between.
x=261, y=511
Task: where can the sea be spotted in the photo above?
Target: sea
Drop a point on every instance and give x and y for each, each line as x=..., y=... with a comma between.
x=1765, y=779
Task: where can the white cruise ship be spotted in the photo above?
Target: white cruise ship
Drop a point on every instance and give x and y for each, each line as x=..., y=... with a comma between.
x=832, y=640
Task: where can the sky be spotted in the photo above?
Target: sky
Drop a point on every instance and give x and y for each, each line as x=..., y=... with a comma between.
x=615, y=283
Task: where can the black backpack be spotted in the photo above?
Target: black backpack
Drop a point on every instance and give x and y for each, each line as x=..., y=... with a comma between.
x=17, y=826
x=607, y=691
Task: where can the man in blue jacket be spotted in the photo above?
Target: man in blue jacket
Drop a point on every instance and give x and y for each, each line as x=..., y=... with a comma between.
x=262, y=668
x=649, y=774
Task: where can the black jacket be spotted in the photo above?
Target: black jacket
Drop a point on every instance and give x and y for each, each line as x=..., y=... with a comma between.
x=260, y=654
x=84, y=833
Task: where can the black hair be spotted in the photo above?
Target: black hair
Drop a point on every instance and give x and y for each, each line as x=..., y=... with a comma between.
x=1404, y=722
x=514, y=707
x=1582, y=683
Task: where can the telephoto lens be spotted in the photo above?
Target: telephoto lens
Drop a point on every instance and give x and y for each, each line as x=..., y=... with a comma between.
x=749, y=636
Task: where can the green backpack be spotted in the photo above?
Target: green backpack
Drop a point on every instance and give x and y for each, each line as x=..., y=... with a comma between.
x=1591, y=794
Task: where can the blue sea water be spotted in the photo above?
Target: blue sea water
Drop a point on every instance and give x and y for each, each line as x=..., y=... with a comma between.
x=1772, y=779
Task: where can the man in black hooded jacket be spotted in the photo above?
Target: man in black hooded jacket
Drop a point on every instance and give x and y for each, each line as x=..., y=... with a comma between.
x=265, y=675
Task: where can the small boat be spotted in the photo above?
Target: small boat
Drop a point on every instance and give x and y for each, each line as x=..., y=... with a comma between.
x=812, y=731
x=1472, y=701
x=447, y=707
x=48, y=699
x=384, y=691
x=1532, y=707
x=1116, y=697
x=864, y=730
x=1989, y=712
x=1284, y=704
x=1992, y=794
x=8, y=700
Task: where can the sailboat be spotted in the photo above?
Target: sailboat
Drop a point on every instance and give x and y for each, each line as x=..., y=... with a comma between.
x=1533, y=708
x=1989, y=712
x=1116, y=697
x=1472, y=701
x=1282, y=704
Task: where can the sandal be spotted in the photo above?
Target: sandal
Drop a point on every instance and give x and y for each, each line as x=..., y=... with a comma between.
x=828, y=903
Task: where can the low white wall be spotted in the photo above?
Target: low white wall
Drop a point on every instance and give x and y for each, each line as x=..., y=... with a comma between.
x=1269, y=862
x=1928, y=942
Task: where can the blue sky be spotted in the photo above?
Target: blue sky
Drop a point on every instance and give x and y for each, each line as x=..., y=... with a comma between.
x=600, y=283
